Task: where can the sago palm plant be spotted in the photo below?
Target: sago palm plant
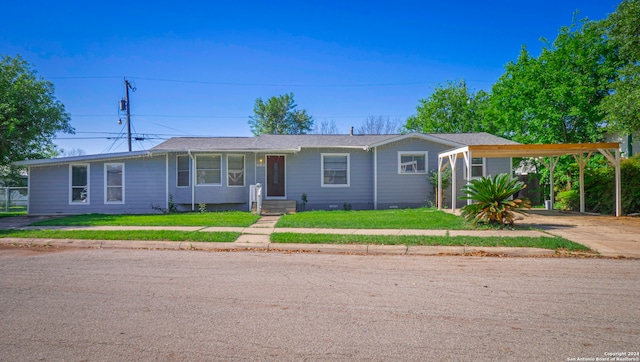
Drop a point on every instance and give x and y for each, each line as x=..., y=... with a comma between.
x=491, y=203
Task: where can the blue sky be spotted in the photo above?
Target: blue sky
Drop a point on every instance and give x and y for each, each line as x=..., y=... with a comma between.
x=199, y=66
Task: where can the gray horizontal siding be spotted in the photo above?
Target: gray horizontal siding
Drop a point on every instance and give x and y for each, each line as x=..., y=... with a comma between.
x=304, y=176
x=144, y=186
x=405, y=190
x=497, y=166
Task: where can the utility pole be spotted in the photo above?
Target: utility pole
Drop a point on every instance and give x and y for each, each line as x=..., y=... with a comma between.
x=128, y=86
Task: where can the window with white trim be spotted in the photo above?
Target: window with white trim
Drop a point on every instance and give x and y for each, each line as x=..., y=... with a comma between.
x=79, y=184
x=477, y=167
x=114, y=183
x=184, y=174
x=208, y=170
x=410, y=162
x=235, y=170
x=335, y=169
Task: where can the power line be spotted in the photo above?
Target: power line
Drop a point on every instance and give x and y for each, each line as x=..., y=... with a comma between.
x=240, y=84
x=227, y=117
x=91, y=77
x=282, y=84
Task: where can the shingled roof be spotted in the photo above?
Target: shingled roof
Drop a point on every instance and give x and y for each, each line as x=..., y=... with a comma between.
x=268, y=142
x=272, y=143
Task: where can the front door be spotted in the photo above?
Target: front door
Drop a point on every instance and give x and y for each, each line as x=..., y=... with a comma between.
x=275, y=176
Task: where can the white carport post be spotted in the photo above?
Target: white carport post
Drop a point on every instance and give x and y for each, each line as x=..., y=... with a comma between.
x=439, y=188
x=439, y=191
x=452, y=160
x=553, y=161
x=615, y=160
x=467, y=165
x=582, y=161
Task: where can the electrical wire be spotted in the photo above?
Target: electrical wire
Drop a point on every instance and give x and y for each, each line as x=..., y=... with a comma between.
x=186, y=81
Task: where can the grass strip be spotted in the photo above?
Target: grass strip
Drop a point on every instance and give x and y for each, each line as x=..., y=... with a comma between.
x=423, y=218
x=12, y=213
x=544, y=242
x=154, y=235
x=227, y=218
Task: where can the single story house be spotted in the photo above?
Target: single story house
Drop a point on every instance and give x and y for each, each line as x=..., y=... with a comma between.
x=332, y=171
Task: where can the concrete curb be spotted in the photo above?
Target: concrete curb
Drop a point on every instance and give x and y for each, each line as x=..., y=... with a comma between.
x=277, y=247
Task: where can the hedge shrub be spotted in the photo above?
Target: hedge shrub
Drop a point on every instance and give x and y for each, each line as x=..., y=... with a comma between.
x=599, y=187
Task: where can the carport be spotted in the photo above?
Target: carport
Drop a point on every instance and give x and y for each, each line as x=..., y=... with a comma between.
x=548, y=154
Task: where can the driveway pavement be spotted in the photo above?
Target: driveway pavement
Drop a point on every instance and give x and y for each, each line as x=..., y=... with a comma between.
x=610, y=236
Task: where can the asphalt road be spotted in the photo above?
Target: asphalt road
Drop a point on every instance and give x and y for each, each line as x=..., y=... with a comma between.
x=99, y=305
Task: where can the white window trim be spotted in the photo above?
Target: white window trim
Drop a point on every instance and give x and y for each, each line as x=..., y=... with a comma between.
x=244, y=170
x=71, y=184
x=195, y=169
x=177, y=177
x=322, y=156
x=106, y=186
x=413, y=153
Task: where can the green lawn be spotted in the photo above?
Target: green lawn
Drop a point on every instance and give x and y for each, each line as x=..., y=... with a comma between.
x=12, y=213
x=155, y=235
x=229, y=218
x=554, y=243
x=424, y=218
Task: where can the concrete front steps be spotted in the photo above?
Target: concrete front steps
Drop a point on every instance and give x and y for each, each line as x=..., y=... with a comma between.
x=276, y=207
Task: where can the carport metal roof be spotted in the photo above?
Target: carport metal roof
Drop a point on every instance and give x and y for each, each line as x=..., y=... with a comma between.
x=581, y=151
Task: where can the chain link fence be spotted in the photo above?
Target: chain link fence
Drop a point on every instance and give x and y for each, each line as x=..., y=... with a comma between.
x=14, y=199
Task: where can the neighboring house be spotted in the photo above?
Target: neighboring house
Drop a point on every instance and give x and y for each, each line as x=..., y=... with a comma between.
x=626, y=149
x=362, y=171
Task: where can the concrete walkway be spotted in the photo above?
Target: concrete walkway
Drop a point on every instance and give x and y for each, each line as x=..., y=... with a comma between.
x=610, y=242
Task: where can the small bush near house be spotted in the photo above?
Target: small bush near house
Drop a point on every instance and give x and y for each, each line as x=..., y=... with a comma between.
x=568, y=200
x=491, y=204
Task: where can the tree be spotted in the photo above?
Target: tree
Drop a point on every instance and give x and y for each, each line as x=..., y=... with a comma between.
x=379, y=125
x=622, y=106
x=326, y=127
x=451, y=108
x=279, y=115
x=71, y=152
x=30, y=114
x=554, y=98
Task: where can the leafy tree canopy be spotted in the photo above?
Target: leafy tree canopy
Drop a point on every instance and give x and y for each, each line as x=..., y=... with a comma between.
x=554, y=98
x=279, y=115
x=623, y=104
x=451, y=108
x=30, y=114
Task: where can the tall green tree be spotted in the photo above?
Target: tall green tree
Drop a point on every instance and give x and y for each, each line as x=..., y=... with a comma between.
x=30, y=114
x=279, y=115
x=554, y=98
x=622, y=106
x=451, y=108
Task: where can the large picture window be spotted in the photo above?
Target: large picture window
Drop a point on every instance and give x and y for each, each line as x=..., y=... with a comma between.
x=335, y=169
x=79, y=184
x=208, y=170
x=235, y=170
x=412, y=162
x=114, y=183
x=184, y=176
